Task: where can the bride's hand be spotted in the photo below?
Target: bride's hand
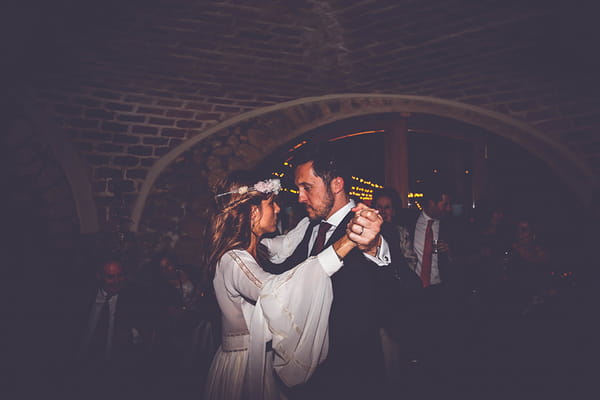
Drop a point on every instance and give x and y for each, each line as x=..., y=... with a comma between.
x=343, y=246
x=364, y=228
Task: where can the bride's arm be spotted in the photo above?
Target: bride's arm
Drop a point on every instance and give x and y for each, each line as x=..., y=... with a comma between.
x=282, y=246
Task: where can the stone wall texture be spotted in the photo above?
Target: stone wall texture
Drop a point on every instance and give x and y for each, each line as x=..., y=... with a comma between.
x=129, y=82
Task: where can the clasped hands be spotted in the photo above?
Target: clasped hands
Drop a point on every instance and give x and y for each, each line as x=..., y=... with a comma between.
x=364, y=229
x=362, y=232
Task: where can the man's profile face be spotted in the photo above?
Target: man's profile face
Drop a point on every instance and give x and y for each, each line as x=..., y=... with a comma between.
x=313, y=193
x=112, y=277
x=440, y=209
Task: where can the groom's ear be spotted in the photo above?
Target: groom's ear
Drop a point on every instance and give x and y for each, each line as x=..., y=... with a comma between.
x=337, y=185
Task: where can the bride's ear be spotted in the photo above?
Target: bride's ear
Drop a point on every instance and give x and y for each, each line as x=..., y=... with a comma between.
x=254, y=217
x=254, y=213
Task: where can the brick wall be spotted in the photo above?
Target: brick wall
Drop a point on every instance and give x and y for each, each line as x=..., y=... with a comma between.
x=141, y=79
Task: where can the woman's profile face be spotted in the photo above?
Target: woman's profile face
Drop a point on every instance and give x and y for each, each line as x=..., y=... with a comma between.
x=268, y=216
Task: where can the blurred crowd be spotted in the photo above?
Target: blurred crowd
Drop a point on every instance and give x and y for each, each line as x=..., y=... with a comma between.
x=456, y=282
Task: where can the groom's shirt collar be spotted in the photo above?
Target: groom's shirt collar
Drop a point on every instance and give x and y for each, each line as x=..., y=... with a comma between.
x=340, y=214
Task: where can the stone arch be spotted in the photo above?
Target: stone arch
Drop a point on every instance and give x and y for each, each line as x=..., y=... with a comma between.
x=30, y=120
x=270, y=127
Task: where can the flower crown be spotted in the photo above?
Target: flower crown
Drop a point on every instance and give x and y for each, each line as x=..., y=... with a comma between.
x=266, y=186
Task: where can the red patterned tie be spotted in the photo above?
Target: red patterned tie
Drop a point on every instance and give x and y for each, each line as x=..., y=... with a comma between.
x=427, y=255
x=320, y=241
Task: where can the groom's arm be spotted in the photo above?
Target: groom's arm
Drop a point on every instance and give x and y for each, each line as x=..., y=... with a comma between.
x=379, y=254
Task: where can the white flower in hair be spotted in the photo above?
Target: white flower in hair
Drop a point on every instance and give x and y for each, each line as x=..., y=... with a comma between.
x=266, y=186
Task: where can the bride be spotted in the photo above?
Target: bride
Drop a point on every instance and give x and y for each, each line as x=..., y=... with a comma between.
x=274, y=327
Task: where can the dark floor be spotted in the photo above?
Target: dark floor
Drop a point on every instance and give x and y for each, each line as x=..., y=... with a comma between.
x=551, y=353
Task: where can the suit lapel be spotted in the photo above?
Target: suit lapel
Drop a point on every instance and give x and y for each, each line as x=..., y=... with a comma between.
x=340, y=230
x=304, y=245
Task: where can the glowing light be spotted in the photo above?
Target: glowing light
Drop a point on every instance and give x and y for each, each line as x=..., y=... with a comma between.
x=367, y=182
x=361, y=192
x=354, y=134
x=296, y=147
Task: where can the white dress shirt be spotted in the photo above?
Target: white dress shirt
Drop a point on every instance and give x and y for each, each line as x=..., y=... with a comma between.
x=282, y=246
x=101, y=298
x=419, y=243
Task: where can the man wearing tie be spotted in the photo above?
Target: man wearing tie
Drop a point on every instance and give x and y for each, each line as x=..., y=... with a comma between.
x=436, y=206
x=437, y=244
x=113, y=323
x=354, y=365
x=97, y=340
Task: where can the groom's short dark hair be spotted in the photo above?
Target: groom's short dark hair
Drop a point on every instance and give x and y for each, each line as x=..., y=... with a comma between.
x=328, y=163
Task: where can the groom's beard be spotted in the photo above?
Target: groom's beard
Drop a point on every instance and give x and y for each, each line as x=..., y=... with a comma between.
x=321, y=213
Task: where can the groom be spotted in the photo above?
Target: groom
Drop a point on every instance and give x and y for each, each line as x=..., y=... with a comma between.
x=354, y=365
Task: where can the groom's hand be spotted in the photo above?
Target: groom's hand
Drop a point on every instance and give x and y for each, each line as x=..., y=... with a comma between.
x=364, y=229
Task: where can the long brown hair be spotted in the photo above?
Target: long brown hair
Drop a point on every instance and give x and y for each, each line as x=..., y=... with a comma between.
x=231, y=222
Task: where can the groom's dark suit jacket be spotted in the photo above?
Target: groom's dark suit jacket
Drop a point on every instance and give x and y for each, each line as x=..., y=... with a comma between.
x=354, y=364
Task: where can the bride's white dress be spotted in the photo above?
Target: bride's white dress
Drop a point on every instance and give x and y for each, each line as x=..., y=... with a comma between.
x=291, y=310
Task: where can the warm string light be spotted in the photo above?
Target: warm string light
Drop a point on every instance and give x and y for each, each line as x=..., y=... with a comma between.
x=280, y=175
x=367, y=182
x=366, y=191
x=363, y=192
x=414, y=196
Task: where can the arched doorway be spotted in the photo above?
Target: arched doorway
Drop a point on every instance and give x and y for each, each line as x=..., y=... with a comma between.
x=175, y=194
x=457, y=154
x=244, y=141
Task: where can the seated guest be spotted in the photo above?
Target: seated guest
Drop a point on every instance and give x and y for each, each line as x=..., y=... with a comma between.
x=114, y=325
x=117, y=319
